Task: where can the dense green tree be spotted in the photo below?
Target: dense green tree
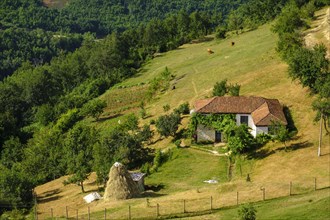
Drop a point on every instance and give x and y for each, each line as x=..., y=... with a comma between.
x=289, y=20
x=43, y=156
x=15, y=187
x=220, y=88
x=235, y=21
x=183, y=108
x=310, y=67
x=78, y=151
x=12, y=152
x=221, y=32
x=167, y=125
x=93, y=108
x=240, y=140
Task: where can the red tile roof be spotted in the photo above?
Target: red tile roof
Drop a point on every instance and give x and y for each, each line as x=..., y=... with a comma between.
x=262, y=110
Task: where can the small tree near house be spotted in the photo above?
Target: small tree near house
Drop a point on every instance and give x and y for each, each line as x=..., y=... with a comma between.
x=220, y=88
x=281, y=133
x=167, y=125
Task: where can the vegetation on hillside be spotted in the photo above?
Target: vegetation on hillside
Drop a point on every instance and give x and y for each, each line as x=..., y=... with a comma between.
x=42, y=104
x=52, y=31
x=309, y=66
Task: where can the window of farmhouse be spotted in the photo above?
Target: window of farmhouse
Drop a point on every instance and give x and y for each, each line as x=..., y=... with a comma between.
x=245, y=120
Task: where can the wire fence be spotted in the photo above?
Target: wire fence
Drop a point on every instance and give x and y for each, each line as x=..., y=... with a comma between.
x=156, y=208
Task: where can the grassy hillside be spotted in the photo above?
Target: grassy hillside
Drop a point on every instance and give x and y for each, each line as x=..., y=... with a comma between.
x=307, y=206
x=251, y=62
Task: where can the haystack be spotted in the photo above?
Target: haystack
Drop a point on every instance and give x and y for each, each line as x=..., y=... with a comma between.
x=120, y=184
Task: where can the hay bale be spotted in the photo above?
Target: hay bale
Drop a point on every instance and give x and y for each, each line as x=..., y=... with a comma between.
x=120, y=184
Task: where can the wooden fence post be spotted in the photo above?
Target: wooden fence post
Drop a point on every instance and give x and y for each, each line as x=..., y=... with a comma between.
x=290, y=189
x=129, y=211
x=211, y=203
x=315, y=184
x=157, y=210
x=105, y=214
x=67, y=213
x=35, y=205
x=263, y=189
x=35, y=212
x=184, y=206
x=89, y=213
x=77, y=214
x=237, y=198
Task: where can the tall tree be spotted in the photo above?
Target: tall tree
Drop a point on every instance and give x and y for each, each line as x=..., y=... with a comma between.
x=78, y=149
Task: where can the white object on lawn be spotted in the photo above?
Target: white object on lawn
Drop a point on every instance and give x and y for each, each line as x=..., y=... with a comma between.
x=91, y=197
x=210, y=181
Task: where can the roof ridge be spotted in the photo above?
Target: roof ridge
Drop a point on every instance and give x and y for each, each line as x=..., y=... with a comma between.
x=258, y=108
x=275, y=116
x=211, y=100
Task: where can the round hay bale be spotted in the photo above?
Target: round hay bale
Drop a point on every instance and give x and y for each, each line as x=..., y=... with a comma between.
x=120, y=184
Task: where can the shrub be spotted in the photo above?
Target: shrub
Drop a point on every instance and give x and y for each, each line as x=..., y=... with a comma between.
x=247, y=212
x=146, y=168
x=93, y=108
x=177, y=143
x=221, y=32
x=220, y=88
x=167, y=125
x=67, y=120
x=166, y=107
x=183, y=108
x=233, y=90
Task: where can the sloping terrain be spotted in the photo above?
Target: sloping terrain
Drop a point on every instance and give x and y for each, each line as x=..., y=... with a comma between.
x=319, y=31
x=254, y=64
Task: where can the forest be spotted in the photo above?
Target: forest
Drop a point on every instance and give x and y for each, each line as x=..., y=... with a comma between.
x=54, y=63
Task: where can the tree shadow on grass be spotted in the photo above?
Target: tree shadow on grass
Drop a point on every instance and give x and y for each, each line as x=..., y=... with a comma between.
x=49, y=199
x=295, y=146
x=108, y=117
x=151, y=194
x=260, y=154
x=154, y=188
x=263, y=153
x=49, y=193
x=48, y=196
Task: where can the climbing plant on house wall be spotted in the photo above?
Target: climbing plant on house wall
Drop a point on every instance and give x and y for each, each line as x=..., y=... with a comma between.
x=220, y=122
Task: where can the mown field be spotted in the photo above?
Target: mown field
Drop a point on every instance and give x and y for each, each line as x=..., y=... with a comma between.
x=254, y=64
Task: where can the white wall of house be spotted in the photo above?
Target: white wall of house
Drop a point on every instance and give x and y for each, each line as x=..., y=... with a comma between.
x=250, y=123
x=205, y=134
x=261, y=130
x=208, y=134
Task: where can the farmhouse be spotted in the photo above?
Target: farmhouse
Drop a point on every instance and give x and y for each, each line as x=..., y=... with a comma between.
x=257, y=112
